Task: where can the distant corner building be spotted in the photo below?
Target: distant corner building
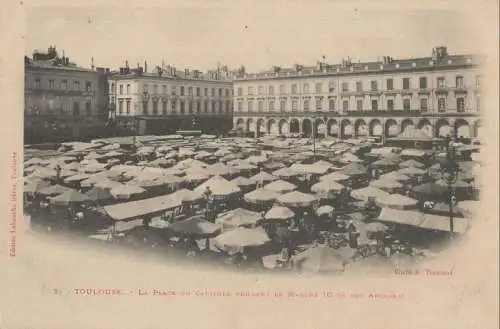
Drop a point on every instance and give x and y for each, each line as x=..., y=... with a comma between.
x=166, y=100
x=440, y=94
x=62, y=100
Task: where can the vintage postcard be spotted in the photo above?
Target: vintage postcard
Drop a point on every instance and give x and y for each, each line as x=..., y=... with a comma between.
x=262, y=164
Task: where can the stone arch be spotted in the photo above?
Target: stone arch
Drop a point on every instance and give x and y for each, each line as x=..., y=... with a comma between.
x=319, y=126
x=376, y=128
x=360, y=128
x=240, y=124
x=251, y=125
x=294, y=126
x=346, y=128
x=442, y=128
x=406, y=123
x=391, y=128
x=307, y=127
x=333, y=128
x=283, y=126
x=426, y=126
x=462, y=129
x=272, y=127
x=260, y=127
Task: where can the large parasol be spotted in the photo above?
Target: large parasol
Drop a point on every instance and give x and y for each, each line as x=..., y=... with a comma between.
x=297, y=199
x=241, y=238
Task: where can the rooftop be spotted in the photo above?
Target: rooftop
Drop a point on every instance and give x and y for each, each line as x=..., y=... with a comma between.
x=440, y=59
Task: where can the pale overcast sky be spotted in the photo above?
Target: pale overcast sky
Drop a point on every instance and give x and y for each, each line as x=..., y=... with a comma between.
x=256, y=36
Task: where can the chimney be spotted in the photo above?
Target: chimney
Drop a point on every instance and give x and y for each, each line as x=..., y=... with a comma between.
x=145, y=67
x=92, y=63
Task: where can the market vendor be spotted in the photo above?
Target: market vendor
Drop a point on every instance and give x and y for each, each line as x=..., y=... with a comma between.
x=353, y=235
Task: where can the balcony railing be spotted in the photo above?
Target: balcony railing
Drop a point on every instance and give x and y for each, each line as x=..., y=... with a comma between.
x=369, y=113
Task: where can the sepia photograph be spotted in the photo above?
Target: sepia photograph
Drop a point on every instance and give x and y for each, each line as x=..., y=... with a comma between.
x=293, y=140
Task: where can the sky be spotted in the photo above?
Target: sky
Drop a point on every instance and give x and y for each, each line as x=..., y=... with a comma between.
x=256, y=36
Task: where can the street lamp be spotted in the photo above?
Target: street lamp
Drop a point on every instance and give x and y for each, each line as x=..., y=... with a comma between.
x=449, y=174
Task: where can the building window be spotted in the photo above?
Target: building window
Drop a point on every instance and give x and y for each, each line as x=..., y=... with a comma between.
x=239, y=92
x=198, y=91
x=306, y=87
x=423, y=105
x=374, y=85
x=306, y=105
x=240, y=106
x=182, y=90
x=359, y=105
x=88, y=108
x=111, y=91
x=190, y=91
x=478, y=81
x=220, y=92
x=460, y=104
x=345, y=87
x=112, y=100
x=440, y=82
x=294, y=89
x=345, y=106
x=441, y=104
x=88, y=86
x=271, y=105
x=128, y=106
x=174, y=106
x=145, y=88
x=319, y=104
x=283, y=105
x=155, y=107
x=128, y=89
x=374, y=105
x=174, y=90
x=164, y=106
x=459, y=82
x=331, y=86
x=390, y=104
x=227, y=92
x=250, y=90
x=283, y=90
x=406, y=104
x=212, y=92
x=64, y=84
x=76, y=85
x=120, y=106
x=190, y=107
x=51, y=84
x=422, y=82
x=331, y=104
x=165, y=89
x=206, y=92
x=295, y=106
x=229, y=106
x=359, y=86
x=319, y=87
x=261, y=90
x=478, y=104
x=260, y=105
x=215, y=108
x=183, y=107
x=271, y=90
x=121, y=89
x=390, y=84
x=406, y=83
x=76, y=109
x=250, y=106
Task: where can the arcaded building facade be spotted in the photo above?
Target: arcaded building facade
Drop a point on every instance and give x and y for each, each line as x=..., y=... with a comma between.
x=440, y=94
